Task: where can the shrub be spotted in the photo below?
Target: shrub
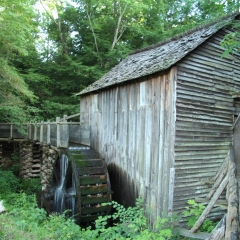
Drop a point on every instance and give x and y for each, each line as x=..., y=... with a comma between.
x=8, y=182
x=31, y=186
x=193, y=212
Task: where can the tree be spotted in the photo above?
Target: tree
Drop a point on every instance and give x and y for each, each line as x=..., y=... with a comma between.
x=16, y=35
x=83, y=39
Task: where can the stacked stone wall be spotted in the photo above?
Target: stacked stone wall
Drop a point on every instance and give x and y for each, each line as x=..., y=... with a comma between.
x=50, y=155
x=37, y=160
x=25, y=159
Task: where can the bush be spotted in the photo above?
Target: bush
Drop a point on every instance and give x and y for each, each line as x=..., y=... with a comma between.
x=8, y=182
x=193, y=212
x=128, y=223
x=31, y=186
x=26, y=210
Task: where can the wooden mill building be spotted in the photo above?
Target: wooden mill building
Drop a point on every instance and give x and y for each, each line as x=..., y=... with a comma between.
x=163, y=118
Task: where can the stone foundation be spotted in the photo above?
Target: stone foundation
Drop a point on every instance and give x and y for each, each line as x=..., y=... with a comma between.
x=37, y=160
x=26, y=151
x=50, y=155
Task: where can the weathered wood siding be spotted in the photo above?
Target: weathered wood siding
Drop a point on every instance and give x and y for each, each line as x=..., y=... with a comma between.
x=132, y=126
x=205, y=111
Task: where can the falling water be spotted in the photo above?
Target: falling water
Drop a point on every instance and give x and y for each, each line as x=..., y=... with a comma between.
x=60, y=191
x=70, y=200
x=64, y=198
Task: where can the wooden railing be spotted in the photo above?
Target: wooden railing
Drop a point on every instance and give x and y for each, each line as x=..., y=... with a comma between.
x=58, y=133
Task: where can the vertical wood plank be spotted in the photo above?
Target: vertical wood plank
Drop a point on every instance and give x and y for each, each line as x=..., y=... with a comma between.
x=171, y=191
x=41, y=132
x=29, y=130
x=58, y=132
x=48, y=132
x=35, y=132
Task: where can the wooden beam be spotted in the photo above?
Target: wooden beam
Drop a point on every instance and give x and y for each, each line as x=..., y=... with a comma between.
x=236, y=121
x=219, y=231
x=220, y=177
x=223, y=166
x=206, y=211
x=71, y=116
x=221, y=203
x=199, y=235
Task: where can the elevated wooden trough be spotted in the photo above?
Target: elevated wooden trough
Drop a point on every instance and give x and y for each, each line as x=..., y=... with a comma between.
x=58, y=133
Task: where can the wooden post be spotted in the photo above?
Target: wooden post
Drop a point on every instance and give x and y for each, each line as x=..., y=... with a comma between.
x=48, y=132
x=232, y=221
x=28, y=130
x=58, y=131
x=35, y=132
x=64, y=118
x=41, y=132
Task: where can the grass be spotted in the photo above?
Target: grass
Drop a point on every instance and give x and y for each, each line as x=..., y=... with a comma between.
x=8, y=230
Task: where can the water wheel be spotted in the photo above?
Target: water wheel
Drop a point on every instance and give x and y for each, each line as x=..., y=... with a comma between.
x=92, y=185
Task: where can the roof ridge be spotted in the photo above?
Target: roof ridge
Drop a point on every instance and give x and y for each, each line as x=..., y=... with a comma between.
x=219, y=20
x=160, y=56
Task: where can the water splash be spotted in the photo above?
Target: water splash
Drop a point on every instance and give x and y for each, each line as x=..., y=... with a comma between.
x=78, y=148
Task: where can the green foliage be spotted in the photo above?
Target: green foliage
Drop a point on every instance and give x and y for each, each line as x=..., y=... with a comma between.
x=41, y=73
x=17, y=28
x=231, y=41
x=31, y=186
x=15, y=164
x=11, y=184
x=193, y=212
x=8, y=182
x=15, y=169
x=127, y=223
x=131, y=223
x=26, y=206
x=60, y=227
x=82, y=41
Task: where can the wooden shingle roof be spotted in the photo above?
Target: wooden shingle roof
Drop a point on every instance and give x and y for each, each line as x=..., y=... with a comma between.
x=157, y=58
